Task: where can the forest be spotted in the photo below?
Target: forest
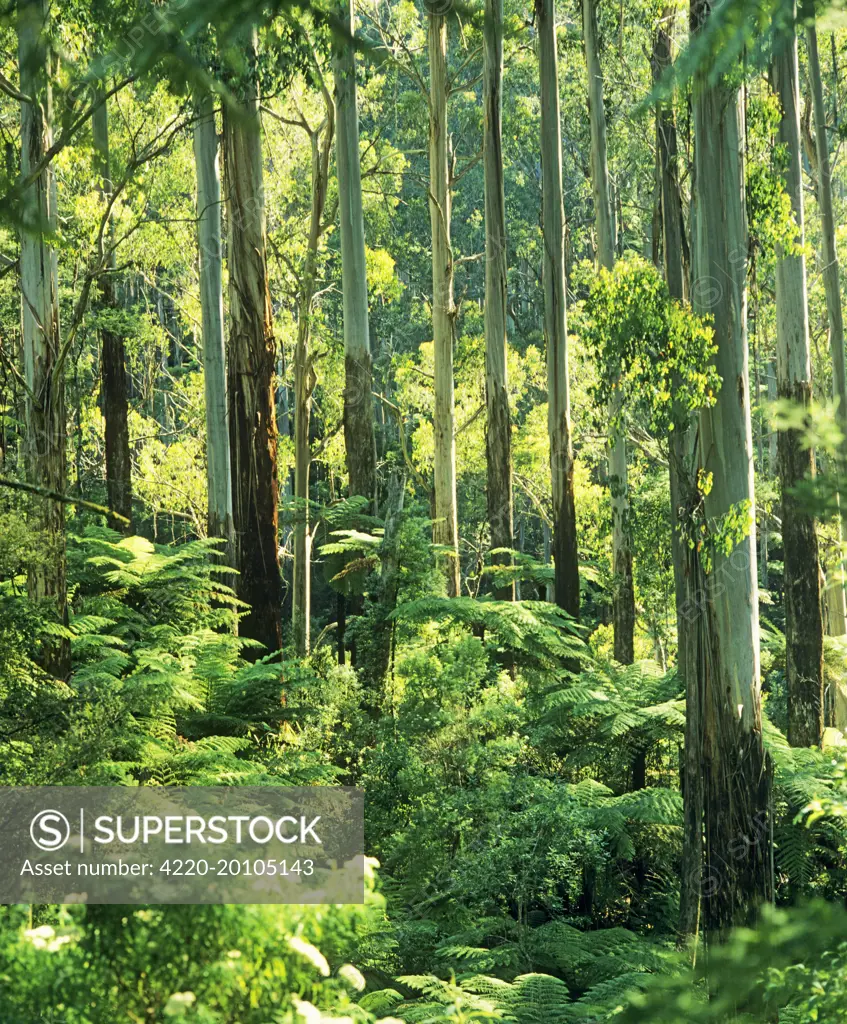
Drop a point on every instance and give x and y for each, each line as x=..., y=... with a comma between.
x=448, y=399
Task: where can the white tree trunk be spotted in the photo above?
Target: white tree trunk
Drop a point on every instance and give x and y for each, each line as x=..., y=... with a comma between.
x=218, y=475
x=735, y=769
x=40, y=317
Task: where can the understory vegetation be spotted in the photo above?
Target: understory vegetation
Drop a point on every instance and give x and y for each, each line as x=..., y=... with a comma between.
x=444, y=399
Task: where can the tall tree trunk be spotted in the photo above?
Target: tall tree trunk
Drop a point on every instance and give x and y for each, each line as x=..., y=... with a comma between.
x=832, y=288
x=304, y=383
x=251, y=359
x=498, y=438
x=803, y=622
x=736, y=771
x=623, y=611
x=359, y=438
x=565, y=551
x=113, y=359
x=446, y=528
x=44, y=372
x=770, y=388
x=684, y=500
x=219, y=480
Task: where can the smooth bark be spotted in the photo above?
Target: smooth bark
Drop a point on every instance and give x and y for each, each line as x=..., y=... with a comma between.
x=498, y=439
x=565, y=551
x=736, y=772
x=623, y=600
x=445, y=531
x=803, y=620
x=251, y=357
x=359, y=436
x=218, y=477
x=43, y=370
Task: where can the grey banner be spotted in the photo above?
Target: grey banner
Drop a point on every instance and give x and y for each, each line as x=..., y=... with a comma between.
x=195, y=844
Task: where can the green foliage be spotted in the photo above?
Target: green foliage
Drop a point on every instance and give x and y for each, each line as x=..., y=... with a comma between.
x=523, y=790
x=540, y=633
x=790, y=968
x=655, y=354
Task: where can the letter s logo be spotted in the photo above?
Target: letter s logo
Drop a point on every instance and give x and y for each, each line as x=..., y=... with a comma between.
x=50, y=830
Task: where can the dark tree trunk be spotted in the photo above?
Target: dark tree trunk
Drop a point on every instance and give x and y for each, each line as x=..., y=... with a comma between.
x=251, y=358
x=803, y=618
x=359, y=440
x=113, y=358
x=565, y=548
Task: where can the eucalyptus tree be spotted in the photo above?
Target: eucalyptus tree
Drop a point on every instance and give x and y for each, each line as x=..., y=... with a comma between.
x=683, y=490
x=44, y=355
x=803, y=619
x=321, y=141
x=565, y=550
x=735, y=769
x=446, y=526
x=359, y=438
x=623, y=611
x=684, y=500
x=830, y=273
x=113, y=350
x=498, y=441
x=218, y=476
x=251, y=360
